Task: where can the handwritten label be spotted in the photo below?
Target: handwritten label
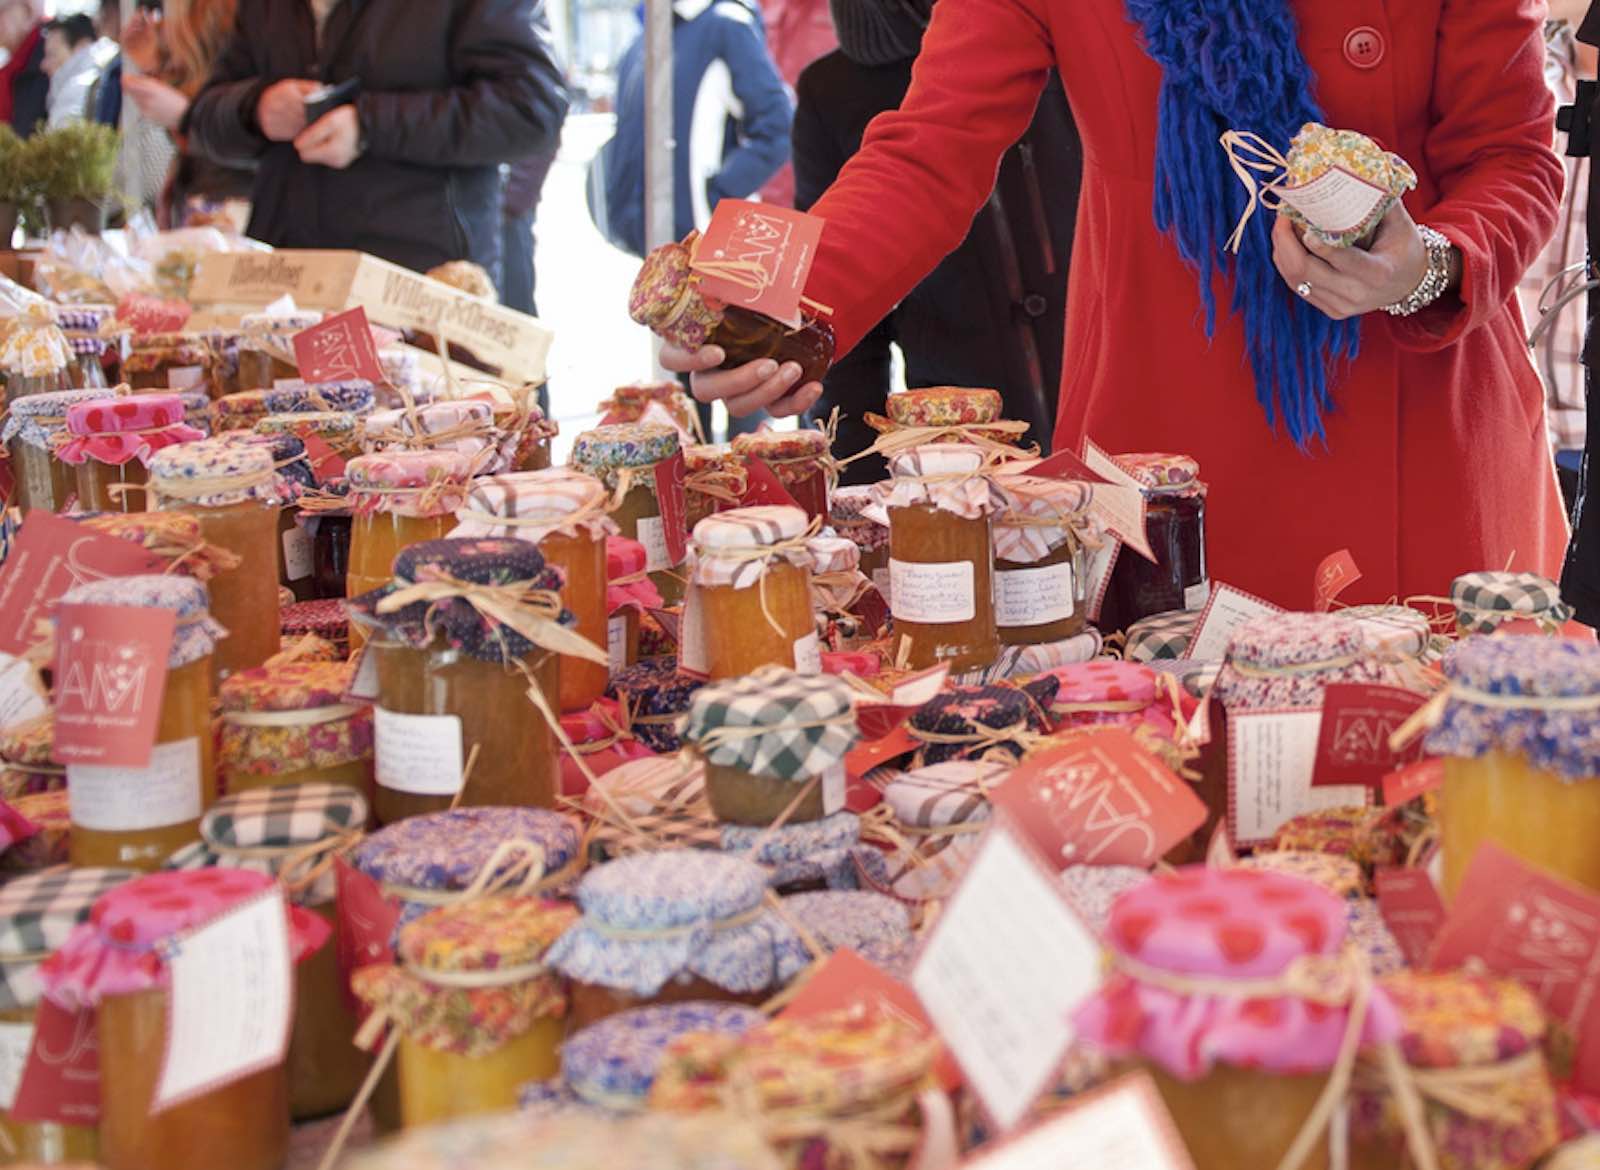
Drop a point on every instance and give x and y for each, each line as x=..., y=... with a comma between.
x=21, y=692
x=1336, y=201
x=652, y=534
x=1412, y=910
x=933, y=593
x=1033, y=597
x=16, y=1041
x=808, y=654
x=1335, y=574
x=1411, y=782
x=297, y=561
x=1270, y=759
x=617, y=642
x=61, y=1080
x=1122, y=503
x=419, y=754
x=1226, y=610
x=758, y=255
x=111, y=671
x=166, y=791
x=339, y=349
x=1357, y=720
x=1124, y=1125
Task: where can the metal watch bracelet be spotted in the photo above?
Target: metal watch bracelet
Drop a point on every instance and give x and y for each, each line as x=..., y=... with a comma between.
x=1435, y=281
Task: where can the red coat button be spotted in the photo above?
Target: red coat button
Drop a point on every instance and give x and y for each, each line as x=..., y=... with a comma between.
x=1363, y=48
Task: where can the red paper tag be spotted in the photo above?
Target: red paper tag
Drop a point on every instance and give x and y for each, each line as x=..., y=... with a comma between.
x=365, y=925
x=877, y=718
x=674, y=515
x=774, y=246
x=1353, y=743
x=146, y=314
x=326, y=463
x=1334, y=575
x=111, y=672
x=873, y=611
x=1411, y=782
x=339, y=349
x=866, y=756
x=1411, y=909
x=762, y=486
x=61, y=1080
x=1100, y=799
x=49, y=556
x=1066, y=464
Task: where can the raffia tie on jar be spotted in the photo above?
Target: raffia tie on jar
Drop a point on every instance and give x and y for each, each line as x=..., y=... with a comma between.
x=735, y=548
x=946, y=414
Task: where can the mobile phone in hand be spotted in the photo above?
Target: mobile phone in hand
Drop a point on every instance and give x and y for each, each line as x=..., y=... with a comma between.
x=330, y=97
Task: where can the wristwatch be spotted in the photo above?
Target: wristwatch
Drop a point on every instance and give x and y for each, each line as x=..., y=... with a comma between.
x=1435, y=280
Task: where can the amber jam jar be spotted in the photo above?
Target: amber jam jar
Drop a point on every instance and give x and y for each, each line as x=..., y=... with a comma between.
x=34, y=427
x=232, y=489
x=1175, y=525
x=164, y=361
x=800, y=459
x=458, y=687
x=941, y=559
x=288, y=724
x=112, y=441
x=751, y=577
x=625, y=458
x=714, y=480
x=667, y=299
x=114, y=963
x=137, y=817
x=266, y=347
x=38, y=912
x=564, y=513
x=1039, y=559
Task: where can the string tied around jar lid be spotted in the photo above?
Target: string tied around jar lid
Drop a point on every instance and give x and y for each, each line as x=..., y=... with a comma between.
x=894, y=439
x=554, y=519
x=1482, y=1092
x=724, y=480
x=793, y=549
x=1428, y=716
x=984, y=739
x=747, y=274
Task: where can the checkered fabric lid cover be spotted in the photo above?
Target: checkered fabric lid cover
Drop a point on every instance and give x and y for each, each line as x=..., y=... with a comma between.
x=1161, y=636
x=951, y=793
x=1485, y=600
x=37, y=913
x=773, y=723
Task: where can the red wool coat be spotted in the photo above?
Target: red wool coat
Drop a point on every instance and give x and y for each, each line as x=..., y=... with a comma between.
x=1436, y=460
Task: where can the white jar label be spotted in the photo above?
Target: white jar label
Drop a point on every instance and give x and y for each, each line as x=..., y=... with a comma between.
x=166, y=791
x=617, y=642
x=833, y=789
x=297, y=561
x=1196, y=596
x=1336, y=201
x=933, y=593
x=16, y=1041
x=1033, y=597
x=693, y=654
x=808, y=655
x=419, y=754
x=653, y=535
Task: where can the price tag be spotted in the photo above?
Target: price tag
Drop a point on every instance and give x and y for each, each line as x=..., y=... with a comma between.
x=1226, y=610
x=1336, y=201
x=111, y=671
x=1121, y=504
x=297, y=559
x=1412, y=910
x=773, y=248
x=339, y=349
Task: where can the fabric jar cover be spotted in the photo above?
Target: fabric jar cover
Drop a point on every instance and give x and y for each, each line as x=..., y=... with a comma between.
x=971, y=716
x=495, y=946
x=651, y=917
x=294, y=474
x=1340, y=876
x=1041, y=515
x=794, y=456
x=463, y=425
x=283, y=325
x=1094, y=889
x=196, y=633
x=1220, y=925
x=531, y=505
x=1485, y=601
x=120, y=430
x=654, y=696
x=1370, y=934
x=173, y=536
x=774, y=723
x=940, y=796
x=354, y=396
x=1562, y=735
x=1368, y=836
x=39, y=420
x=214, y=473
x=801, y=852
x=240, y=411
x=196, y=406
x=261, y=828
x=1161, y=474
x=291, y=717
x=944, y=406
x=1284, y=661
x=1108, y=691
x=729, y=546
x=87, y=347
x=666, y=298
x=613, y=1063
x=1160, y=637
x=51, y=813
x=599, y=738
x=36, y=347
x=848, y=515
x=408, y=483
x=119, y=950
x=154, y=351
x=948, y=476
x=608, y=452
x=833, y=554
x=874, y=926
x=1397, y=632
x=82, y=318
x=1317, y=149
x=38, y=913
x=340, y=429
x=627, y=583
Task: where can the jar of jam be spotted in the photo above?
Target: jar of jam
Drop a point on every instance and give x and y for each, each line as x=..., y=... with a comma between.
x=848, y=515
x=751, y=577
x=1175, y=525
x=942, y=808
x=88, y=371
x=629, y=592
x=241, y=411
x=112, y=442
x=672, y=926
x=478, y=1014
x=667, y=300
x=169, y=361
x=1517, y=734
x=714, y=480
x=801, y=461
x=232, y=489
x=38, y=913
x=398, y=499
x=34, y=427
x=1039, y=559
x=288, y=724
x=613, y=1064
x=346, y=396
x=1508, y=603
x=136, y=817
x=941, y=560
x=266, y=347
x=35, y=357
x=654, y=696
x=564, y=513
x=468, y=638
x=625, y=458
x=332, y=529
x=461, y=425
x=632, y=403
x=773, y=743
x=284, y=833
x=115, y=964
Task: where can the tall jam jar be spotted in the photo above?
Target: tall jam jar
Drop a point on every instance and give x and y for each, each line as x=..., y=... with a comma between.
x=751, y=577
x=625, y=457
x=34, y=428
x=1175, y=525
x=1039, y=559
x=35, y=357
x=112, y=442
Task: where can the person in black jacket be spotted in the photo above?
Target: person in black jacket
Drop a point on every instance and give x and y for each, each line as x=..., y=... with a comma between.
x=410, y=171
x=24, y=101
x=992, y=314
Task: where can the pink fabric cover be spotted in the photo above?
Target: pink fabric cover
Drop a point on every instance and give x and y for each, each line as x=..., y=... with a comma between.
x=625, y=558
x=117, y=430
x=596, y=725
x=1111, y=680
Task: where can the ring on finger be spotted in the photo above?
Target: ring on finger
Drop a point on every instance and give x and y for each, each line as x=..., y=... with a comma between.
x=1303, y=290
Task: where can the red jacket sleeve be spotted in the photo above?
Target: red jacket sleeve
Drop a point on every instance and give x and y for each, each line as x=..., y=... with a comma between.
x=907, y=199
x=1489, y=150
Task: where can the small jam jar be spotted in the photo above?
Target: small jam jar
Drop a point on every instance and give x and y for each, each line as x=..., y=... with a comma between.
x=612, y=1064
x=773, y=742
x=232, y=489
x=1039, y=559
x=34, y=356
x=751, y=577
x=630, y=404
x=625, y=457
x=113, y=441
x=629, y=592
x=1175, y=524
x=801, y=461
x=34, y=428
x=138, y=816
x=399, y=498
x=169, y=361
x=288, y=724
x=714, y=479
x=266, y=347
x=1508, y=603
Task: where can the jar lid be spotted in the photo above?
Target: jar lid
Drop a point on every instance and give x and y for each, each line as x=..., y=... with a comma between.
x=613, y=1063
x=83, y=318
x=37, y=417
x=833, y=554
x=325, y=616
x=1340, y=876
x=848, y=503
x=287, y=686
x=952, y=793
x=701, y=456
x=329, y=424
x=196, y=633
x=800, y=851
x=530, y=505
x=874, y=926
x=604, y=450
x=243, y=405
x=1395, y=630
x=214, y=472
x=937, y=459
x=971, y=716
x=1285, y=660
x=276, y=817
x=432, y=418
x=355, y=396
x=1160, y=472
x=644, y=393
x=1036, y=498
x=653, y=690
x=769, y=445
x=671, y=888
x=38, y=913
x=130, y=416
x=499, y=932
x=444, y=851
x=289, y=462
x=1104, y=680
x=1452, y=1019
x=774, y=723
x=664, y=298
x=1486, y=600
x=749, y=528
x=280, y=322
x=29, y=742
x=1162, y=637
x=407, y=469
x=944, y=406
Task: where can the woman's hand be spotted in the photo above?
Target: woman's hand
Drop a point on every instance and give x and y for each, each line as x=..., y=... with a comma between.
x=157, y=101
x=761, y=385
x=1347, y=282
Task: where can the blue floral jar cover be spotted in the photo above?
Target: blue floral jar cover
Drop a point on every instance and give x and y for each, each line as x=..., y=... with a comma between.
x=875, y=926
x=37, y=417
x=613, y=1063
x=824, y=850
x=354, y=397
x=196, y=633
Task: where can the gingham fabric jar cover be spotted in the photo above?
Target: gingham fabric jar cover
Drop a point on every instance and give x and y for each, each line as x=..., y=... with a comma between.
x=1485, y=601
x=774, y=723
x=1396, y=631
x=613, y=1063
x=655, y=695
x=727, y=545
x=196, y=633
x=955, y=792
x=1040, y=515
x=214, y=473
x=1161, y=636
x=627, y=585
x=472, y=420
x=38, y=912
x=948, y=476
x=874, y=926
x=39, y=419
x=531, y=505
x=119, y=430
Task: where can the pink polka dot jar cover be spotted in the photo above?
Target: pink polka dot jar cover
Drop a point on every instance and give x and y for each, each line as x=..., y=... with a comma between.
x=119, y=430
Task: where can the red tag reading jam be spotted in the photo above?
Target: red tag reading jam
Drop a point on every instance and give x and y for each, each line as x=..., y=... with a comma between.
x=339, y=349
x=1334, y=575
x=757, y=256
x=61, y=1079
x=1353, y=742
x=674, y=512
x=111, y=671
x=365, y=925
x=762, y=486
x=1411, y=782
x=49, y=556
x=1100, y=799
x=326, y=463
x=1411, y=909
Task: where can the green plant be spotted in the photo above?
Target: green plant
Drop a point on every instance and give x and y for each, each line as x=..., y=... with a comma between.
x=16, y=172
x=77, y=161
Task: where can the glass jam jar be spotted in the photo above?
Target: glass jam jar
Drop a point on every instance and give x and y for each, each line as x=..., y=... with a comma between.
x=34, y=356
x=479, y=1016
x=288, y=724
x=751, y=577
x=266, y=347
x=714, y=479
x=114, y=964
x=398, y=499
x=1175, y=524
x=168, y=361
x=625, y=457
x=564, y=513
x=632, y=403
x=801, y=461
x=136, y=817
x=1039, y=559
x=239, y=412
x=667, y=300
x=1518, y=734
x=232, y=489
x=38, y=912
x=941, y=559
x=88, y=371
x=455, y=720
x=1508, y=603
x=629, y=592
x=34, y=427
x=847, y=514
x=112, y=442
x=773, y=743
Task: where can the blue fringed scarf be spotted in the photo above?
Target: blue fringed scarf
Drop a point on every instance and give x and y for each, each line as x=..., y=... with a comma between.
x=1236, y=64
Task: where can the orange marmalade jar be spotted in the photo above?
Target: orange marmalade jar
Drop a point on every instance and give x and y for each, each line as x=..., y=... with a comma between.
x=399, y=498
x=112, y=441
x=137, y=817
x=34, y=427
x=1039, y=559
x=625, y=457
x=751, y=578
